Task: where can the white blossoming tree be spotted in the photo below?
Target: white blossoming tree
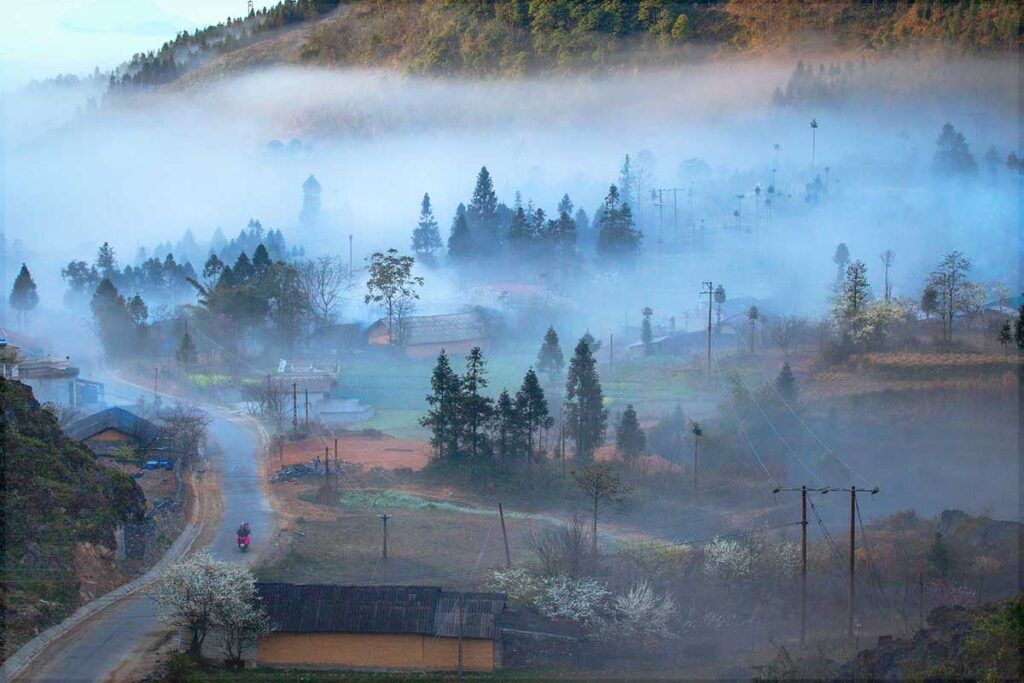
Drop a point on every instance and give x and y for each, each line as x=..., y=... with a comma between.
x=640, y=616
x=201, y=594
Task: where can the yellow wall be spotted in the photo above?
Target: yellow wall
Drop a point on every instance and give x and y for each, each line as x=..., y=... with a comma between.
x=374, y=651
x=110, y=435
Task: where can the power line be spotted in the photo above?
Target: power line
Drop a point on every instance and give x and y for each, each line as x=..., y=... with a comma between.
x=743, y=432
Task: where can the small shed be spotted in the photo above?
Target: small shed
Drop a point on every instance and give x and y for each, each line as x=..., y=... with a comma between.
x=412, y=628
x=423, y=336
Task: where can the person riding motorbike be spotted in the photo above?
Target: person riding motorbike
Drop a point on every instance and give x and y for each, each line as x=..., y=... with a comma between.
x=242, y=536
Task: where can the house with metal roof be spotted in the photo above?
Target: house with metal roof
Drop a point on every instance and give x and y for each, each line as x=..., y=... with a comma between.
x=423, y=336
x=104, y=432
x=413, y=628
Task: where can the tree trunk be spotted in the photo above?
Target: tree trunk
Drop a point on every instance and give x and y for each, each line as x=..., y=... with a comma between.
x=594, y=539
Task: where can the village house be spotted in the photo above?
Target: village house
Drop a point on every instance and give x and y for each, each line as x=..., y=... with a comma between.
x=105, y=432
x=423, y=336
x=413, y=628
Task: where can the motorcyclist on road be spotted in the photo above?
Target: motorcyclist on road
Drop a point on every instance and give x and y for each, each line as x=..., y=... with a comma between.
x=244, y=530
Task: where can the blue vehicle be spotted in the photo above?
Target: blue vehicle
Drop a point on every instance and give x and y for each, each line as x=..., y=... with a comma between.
x=150, y=465
x=166, y=464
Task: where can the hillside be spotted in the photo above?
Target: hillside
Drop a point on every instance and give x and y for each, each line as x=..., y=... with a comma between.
x=522, y=37
x=58, y=518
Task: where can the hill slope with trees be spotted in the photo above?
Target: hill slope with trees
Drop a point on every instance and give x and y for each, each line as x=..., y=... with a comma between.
x=493, y=38
x=58, y=518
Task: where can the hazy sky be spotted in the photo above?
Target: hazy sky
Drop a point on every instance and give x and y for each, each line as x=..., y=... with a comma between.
x=42, y=38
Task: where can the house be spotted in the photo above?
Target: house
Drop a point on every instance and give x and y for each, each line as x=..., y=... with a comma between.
x=423, y=336
x=375, y=627
x=104, y=432
x=51, y=379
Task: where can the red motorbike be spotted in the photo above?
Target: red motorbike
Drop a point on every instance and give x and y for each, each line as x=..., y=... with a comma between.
x=243, y=543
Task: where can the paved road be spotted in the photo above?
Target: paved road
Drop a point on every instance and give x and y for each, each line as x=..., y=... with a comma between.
x=93, y=650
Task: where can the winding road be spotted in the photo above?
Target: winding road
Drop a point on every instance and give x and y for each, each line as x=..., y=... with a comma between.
x=96, y=648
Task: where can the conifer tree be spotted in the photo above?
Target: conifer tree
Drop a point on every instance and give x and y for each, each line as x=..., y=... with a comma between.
x=627, y=181
x=482, y=215
x=24, y=296
x=617, y=238
x=507, y=427
x=137, y=310
x=586, y=416
x=719, y=300
x=475, y=407
x=186, y=353
x=785, y=384
x=261, y=259
x=426, y=238
x=520, y=236
x=550, y=359
x=113, y=322
x=841, y=258
x=646, y=333
x=532, y=407
x=1018, y=328
x=629, y=437
x=106, y=261
x=460, y=247
x=565, y=205
x=445, y=401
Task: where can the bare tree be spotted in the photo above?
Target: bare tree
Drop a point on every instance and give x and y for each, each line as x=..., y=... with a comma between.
x=184, y=427
x=955, y=293
x=601, y=487
x=64, y=414
x=324, y=281
x=888, y=257
x=268, y=400
x=563, y=550
x=785, y=331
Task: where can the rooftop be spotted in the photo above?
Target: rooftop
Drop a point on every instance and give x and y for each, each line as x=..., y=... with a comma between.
x=427, y=610
x=440, y=329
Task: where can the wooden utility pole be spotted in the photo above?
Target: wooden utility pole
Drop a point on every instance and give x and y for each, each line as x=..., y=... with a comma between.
x=803, y=564
x=156, y=382
x=611, y=352
x=384, y=518
x=697, y=433
x=461, y=649
x=711, y=299
x=337, y=463
x=853, y=545
x=307, y=410
x=327, y=461
x=504, y=535
x=295, y=409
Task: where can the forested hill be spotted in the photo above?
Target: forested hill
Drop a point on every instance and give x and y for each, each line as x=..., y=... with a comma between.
x=58, y=516
x=488, y=38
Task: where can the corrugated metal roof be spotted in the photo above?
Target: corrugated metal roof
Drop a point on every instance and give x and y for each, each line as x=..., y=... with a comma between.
x=427, y=610
x=439, y=329
x=113, y=418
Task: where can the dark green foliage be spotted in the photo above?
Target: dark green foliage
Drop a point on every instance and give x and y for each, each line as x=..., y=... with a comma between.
x=445, y=400
x=460, y=247
x=475, y=407
x=24, y=296
x=393, y=287
x=532, y=407
x=953, y=156
x=55, y=495
x=938, y=557
x=508, y=428
x=785, y=384
x=106, y=261
x=841, y=257
x=426, y=239
x=629, y=437
x=1018, y=328
x=719, y=300
x=81, y=278
x=549, y=358
x=586, y=417
x=482, y=216
x=186, y=353
x=121, y=328
x=646, y=333
x=617, y=238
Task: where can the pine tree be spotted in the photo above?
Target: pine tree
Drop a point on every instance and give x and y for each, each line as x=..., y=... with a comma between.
x=114, y=323
x=565, y=205
x=646, y=333
x=629, y=437
x=460, y=247
x=475, y=408
x=520, y=236
x=106, y=261
x=24, y=296
x=507, y=427
x=1018, y=328
x=532, y=406
x=261, y=260
x=426, y=238
x=550, y=359
x=1006, y=335
x=841, y=258
x=785, y=384
x=137, y=310
x=186, y=353
x=854, y=294
x=953, y=155
x=445, y=401
x=586, y=416
x=482, y=215
x=627, y=181
x=616, y=238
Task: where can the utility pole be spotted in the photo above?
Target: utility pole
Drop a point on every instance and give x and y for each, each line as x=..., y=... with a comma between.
x=611, y=352
x=853, y=546
x=295, y=409
x=384, y=518
x=803, y=554
x=307, y=410
x=697, y=433
x=327, y=461
x=350, y=258
x=814, y=131
x=337, y=463
x=504, y=535
x=461, y=656
x=156, y=382
x=711, y=299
